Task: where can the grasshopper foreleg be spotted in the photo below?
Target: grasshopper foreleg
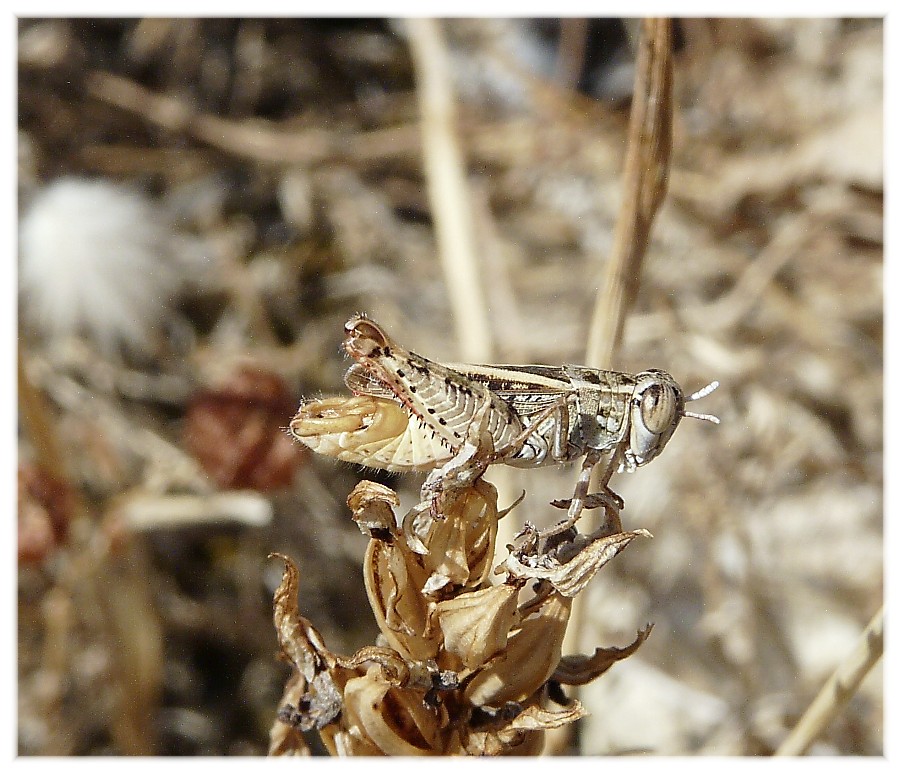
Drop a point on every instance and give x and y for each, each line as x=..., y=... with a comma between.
x=610, y=501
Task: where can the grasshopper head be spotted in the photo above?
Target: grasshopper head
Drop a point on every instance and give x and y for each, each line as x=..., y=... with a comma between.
x=657, y=406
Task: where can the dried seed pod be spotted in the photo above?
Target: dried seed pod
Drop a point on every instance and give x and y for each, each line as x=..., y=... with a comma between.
x=531, y=655
x=460, y=546
x=475, y=625
x=235, y=431
x=397, y=722
x=394, y=579
x=466, y=669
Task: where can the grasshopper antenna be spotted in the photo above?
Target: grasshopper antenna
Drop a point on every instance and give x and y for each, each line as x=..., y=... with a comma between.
x=696, y=396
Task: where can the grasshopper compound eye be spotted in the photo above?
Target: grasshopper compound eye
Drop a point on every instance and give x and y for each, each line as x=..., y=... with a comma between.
x=657, y=406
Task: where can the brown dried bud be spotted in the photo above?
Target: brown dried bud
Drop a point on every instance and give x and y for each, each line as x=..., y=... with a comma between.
x=235, y=431
x=46, y=506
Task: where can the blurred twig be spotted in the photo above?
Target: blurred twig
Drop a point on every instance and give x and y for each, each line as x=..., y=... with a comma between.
x=573, y=35
x=644, y=181
x=495, y=142
x=253, y=140
x=838, y=690
x=448, y=189
x=38, y=424
x=117, y=590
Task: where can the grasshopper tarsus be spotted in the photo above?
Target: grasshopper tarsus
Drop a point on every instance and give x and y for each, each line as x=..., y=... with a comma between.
x=593, y=501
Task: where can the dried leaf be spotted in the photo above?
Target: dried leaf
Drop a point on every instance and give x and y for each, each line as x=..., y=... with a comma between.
x=526, y=727
x=476, y=625
x=530, y=658
x=581, y=669
x=395, y=721
x=301, y=643
x=234, y=431
x=46, y=506
x=571, y=577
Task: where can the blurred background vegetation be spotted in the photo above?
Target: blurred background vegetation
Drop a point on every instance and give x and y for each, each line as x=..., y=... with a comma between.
x=203, y=203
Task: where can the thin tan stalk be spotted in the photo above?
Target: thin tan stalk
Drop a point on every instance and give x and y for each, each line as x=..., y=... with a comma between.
x=448, y=189
x=837, y=691
x=38, y=425
x=644, y=180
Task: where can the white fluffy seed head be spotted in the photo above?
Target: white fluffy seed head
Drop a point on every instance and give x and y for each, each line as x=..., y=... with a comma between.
x=97, y=259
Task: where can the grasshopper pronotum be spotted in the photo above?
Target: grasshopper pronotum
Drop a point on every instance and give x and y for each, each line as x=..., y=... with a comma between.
x=527, y=415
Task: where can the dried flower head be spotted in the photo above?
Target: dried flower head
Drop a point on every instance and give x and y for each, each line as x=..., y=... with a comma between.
x=97, y=259
x=464, y=665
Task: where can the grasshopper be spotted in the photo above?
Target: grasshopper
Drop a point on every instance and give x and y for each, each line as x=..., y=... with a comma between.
x=526, y=415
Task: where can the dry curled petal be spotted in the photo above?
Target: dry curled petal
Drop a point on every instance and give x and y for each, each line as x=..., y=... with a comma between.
x=571, y=577
x=581, y=669
x=317, y=668
x=530, y=658
x=372, y=506
x=300, y=642
x=476, y=624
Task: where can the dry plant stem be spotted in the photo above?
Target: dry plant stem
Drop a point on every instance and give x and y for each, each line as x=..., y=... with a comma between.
x=503, y=300
x=572, y=45
x=497, y=142
x=644, y=181
x=448, y=189
x=133, y=638
x=250, y=140
x=838, y=690
x=513, y=347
